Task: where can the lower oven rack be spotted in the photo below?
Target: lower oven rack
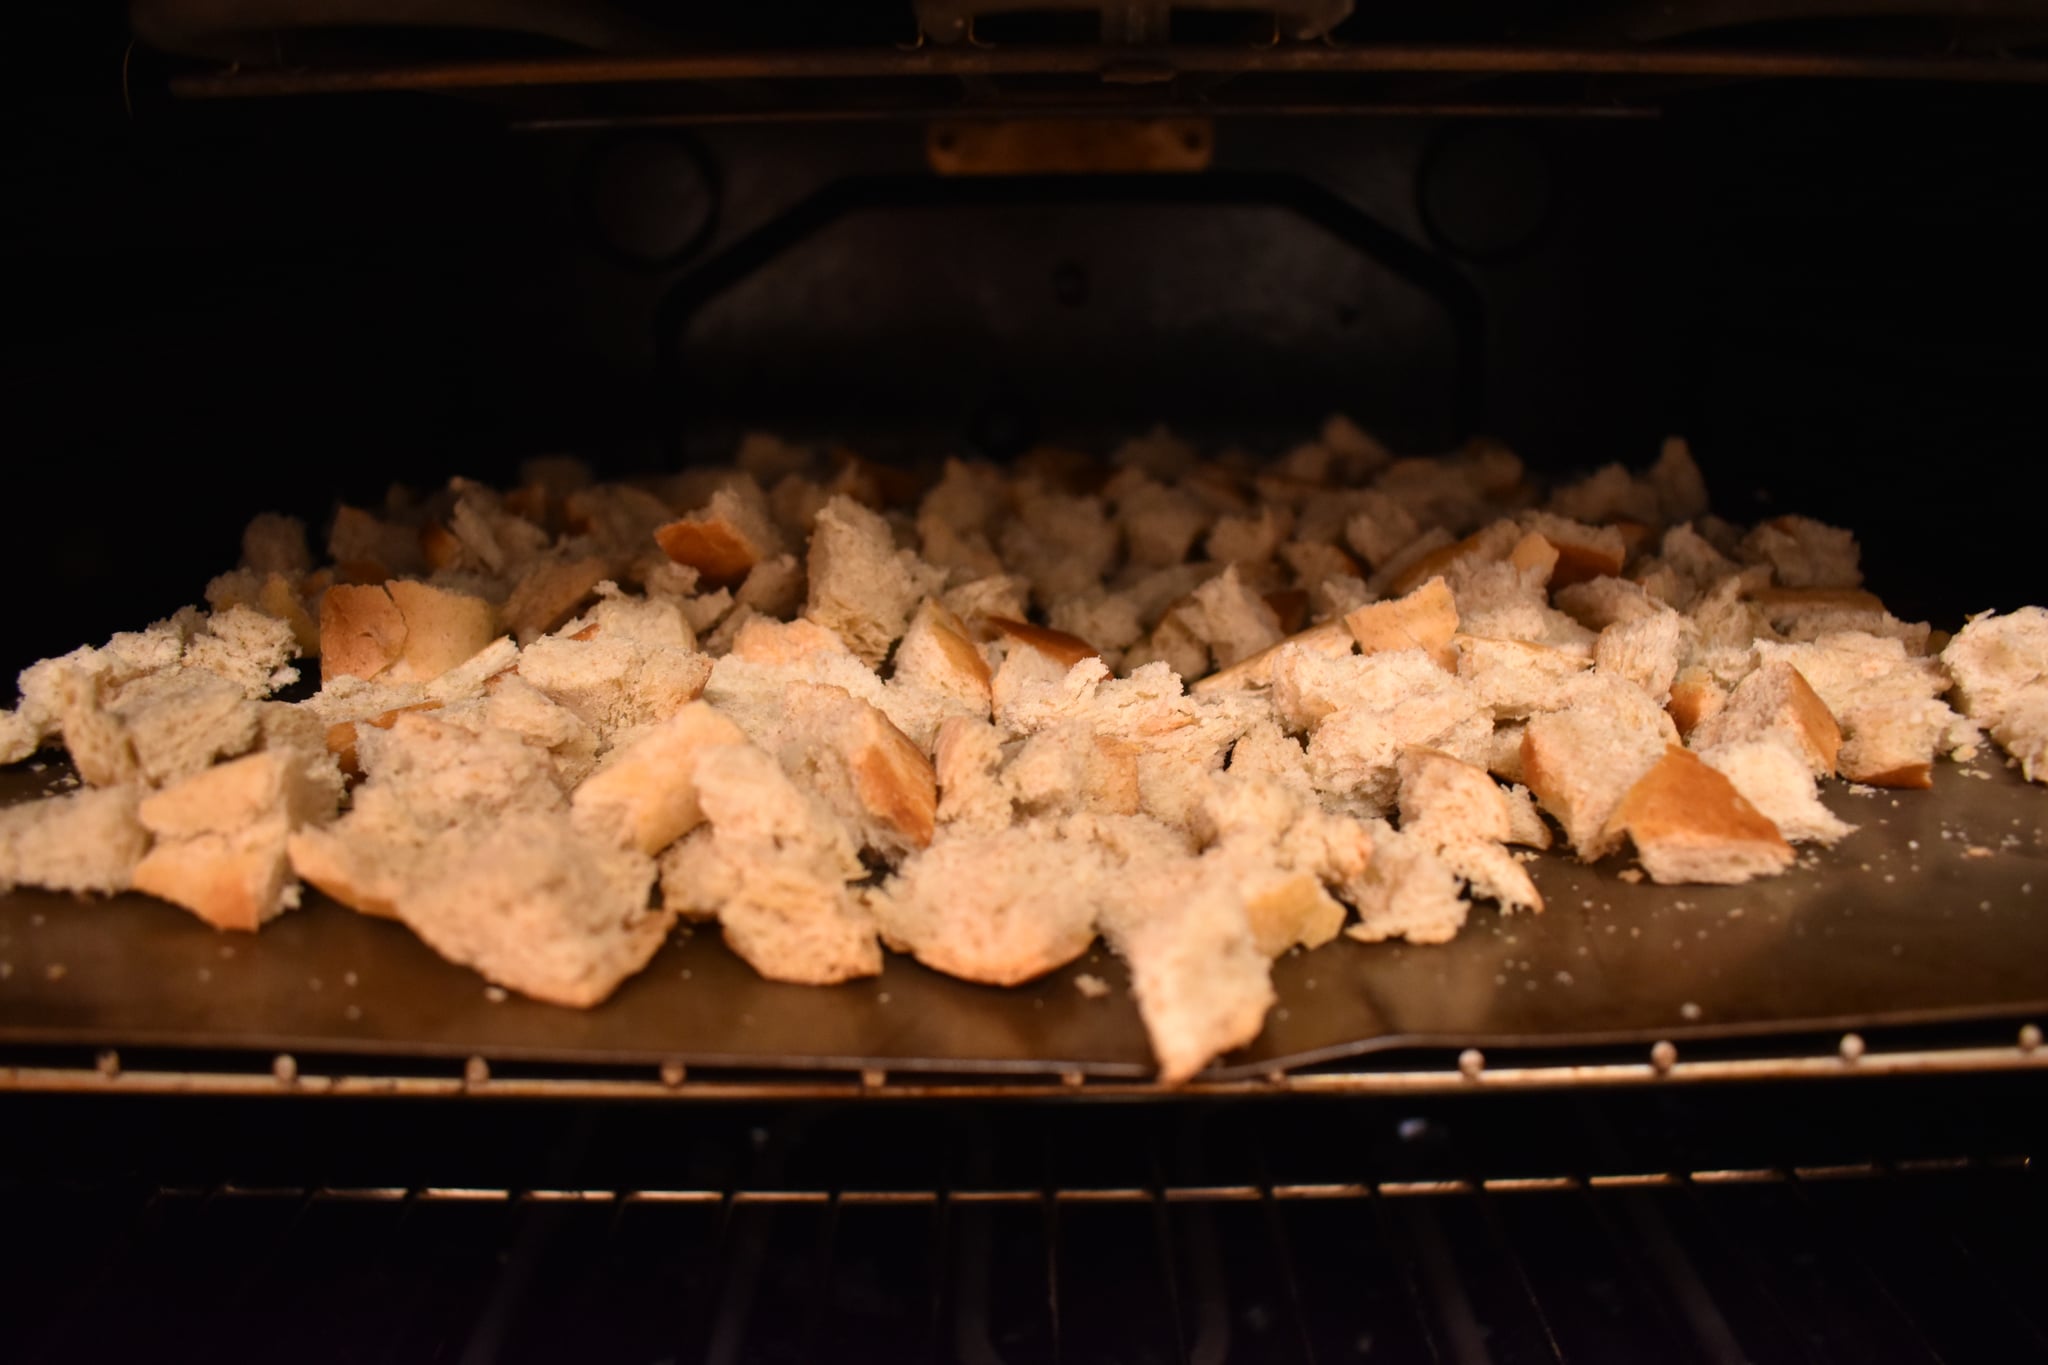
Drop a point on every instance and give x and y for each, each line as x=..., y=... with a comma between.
x=1811, y=1224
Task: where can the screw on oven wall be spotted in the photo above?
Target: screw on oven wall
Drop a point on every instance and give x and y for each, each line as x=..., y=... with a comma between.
x=476, y=1071
x=1664, y=1055
x=673, y=1074
x=2030, y=1037
x=285, y=1068
x=1471, y=1063
x=108, y=1063
x=1852, y=1048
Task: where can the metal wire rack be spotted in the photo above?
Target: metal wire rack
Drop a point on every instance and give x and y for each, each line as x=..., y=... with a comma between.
x=1761, y=1224
x=1749, y=1264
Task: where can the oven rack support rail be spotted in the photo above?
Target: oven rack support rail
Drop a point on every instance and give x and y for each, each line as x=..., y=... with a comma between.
x=284, y=1074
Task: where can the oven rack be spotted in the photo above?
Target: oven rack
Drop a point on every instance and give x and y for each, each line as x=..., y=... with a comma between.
x=1911, y=1258
x=1969, y=1050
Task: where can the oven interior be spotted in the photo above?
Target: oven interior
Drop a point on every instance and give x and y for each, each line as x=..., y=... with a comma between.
x=253, y=273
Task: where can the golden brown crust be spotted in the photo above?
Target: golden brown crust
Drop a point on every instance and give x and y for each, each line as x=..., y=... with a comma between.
x=1694, y=697
x=549, y=593
x=1534, y=556
x=442, y=628
x=718, y=550
x=322, y=861
x=1912, y=775
x=950, y=633
x=228, y=885
x=1433, y=564
x=1544, y=785
x=1823, y=735
x=1054, y=644
x=894, y=781
x=362, y=631
x=1581, y=561
x=1425, y=619
x=1687, y=819
x=763, y=641
x=1330, y=637
x=646, y=797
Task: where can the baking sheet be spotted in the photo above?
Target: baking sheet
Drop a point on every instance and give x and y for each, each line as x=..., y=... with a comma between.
x=1936, y=908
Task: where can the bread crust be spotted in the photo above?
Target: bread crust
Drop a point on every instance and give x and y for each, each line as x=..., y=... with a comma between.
x=1424, y=619
x=1690, y=824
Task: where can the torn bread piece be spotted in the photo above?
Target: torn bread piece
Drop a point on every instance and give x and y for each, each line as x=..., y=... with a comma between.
x=967, y=761
x=1201, y=983
x=1056, y=645
x=1408, y=892
x=1994, y=658
x=862, y=765
x=1457, y=809
x=939, y=655
x=1525, y=822
x=157, y=729
x=400, y=631
x=645, y=795
x=2000, y=668
x=1517, y=679
x=1426, y=619
x=427, y=779
x=996, y=906
x=81, y=841
x=1309, y=686
x=1232, y=620
x=1680, y=487
x=549, y=592
x=1775, y=700
x=1696, y=695
x=1331, y=639
x=539, y=907
x=772, y=866
x=614, y=685
x=1282, y=849
x=1774, y=775
x=1886, y=701
x=1598, y=603
x=1352, y=754
x=1689, y=823
x=724, y=540
x=1804, y=553
x=1645, y=650
x=1583, y=552
x=221, y=838
x=860, y=585
x=1581, y=761
x=276, y=595
x=1071, y=767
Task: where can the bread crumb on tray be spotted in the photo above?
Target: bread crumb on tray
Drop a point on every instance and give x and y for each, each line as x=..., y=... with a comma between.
x=1203, y=711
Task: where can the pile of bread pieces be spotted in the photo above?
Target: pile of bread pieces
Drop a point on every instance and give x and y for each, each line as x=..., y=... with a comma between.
x=1207, y=709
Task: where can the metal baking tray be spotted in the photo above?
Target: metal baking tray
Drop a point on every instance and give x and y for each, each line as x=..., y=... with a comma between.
x=1936, y=909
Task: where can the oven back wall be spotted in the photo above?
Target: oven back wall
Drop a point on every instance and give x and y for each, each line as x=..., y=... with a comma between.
x=225, y=308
